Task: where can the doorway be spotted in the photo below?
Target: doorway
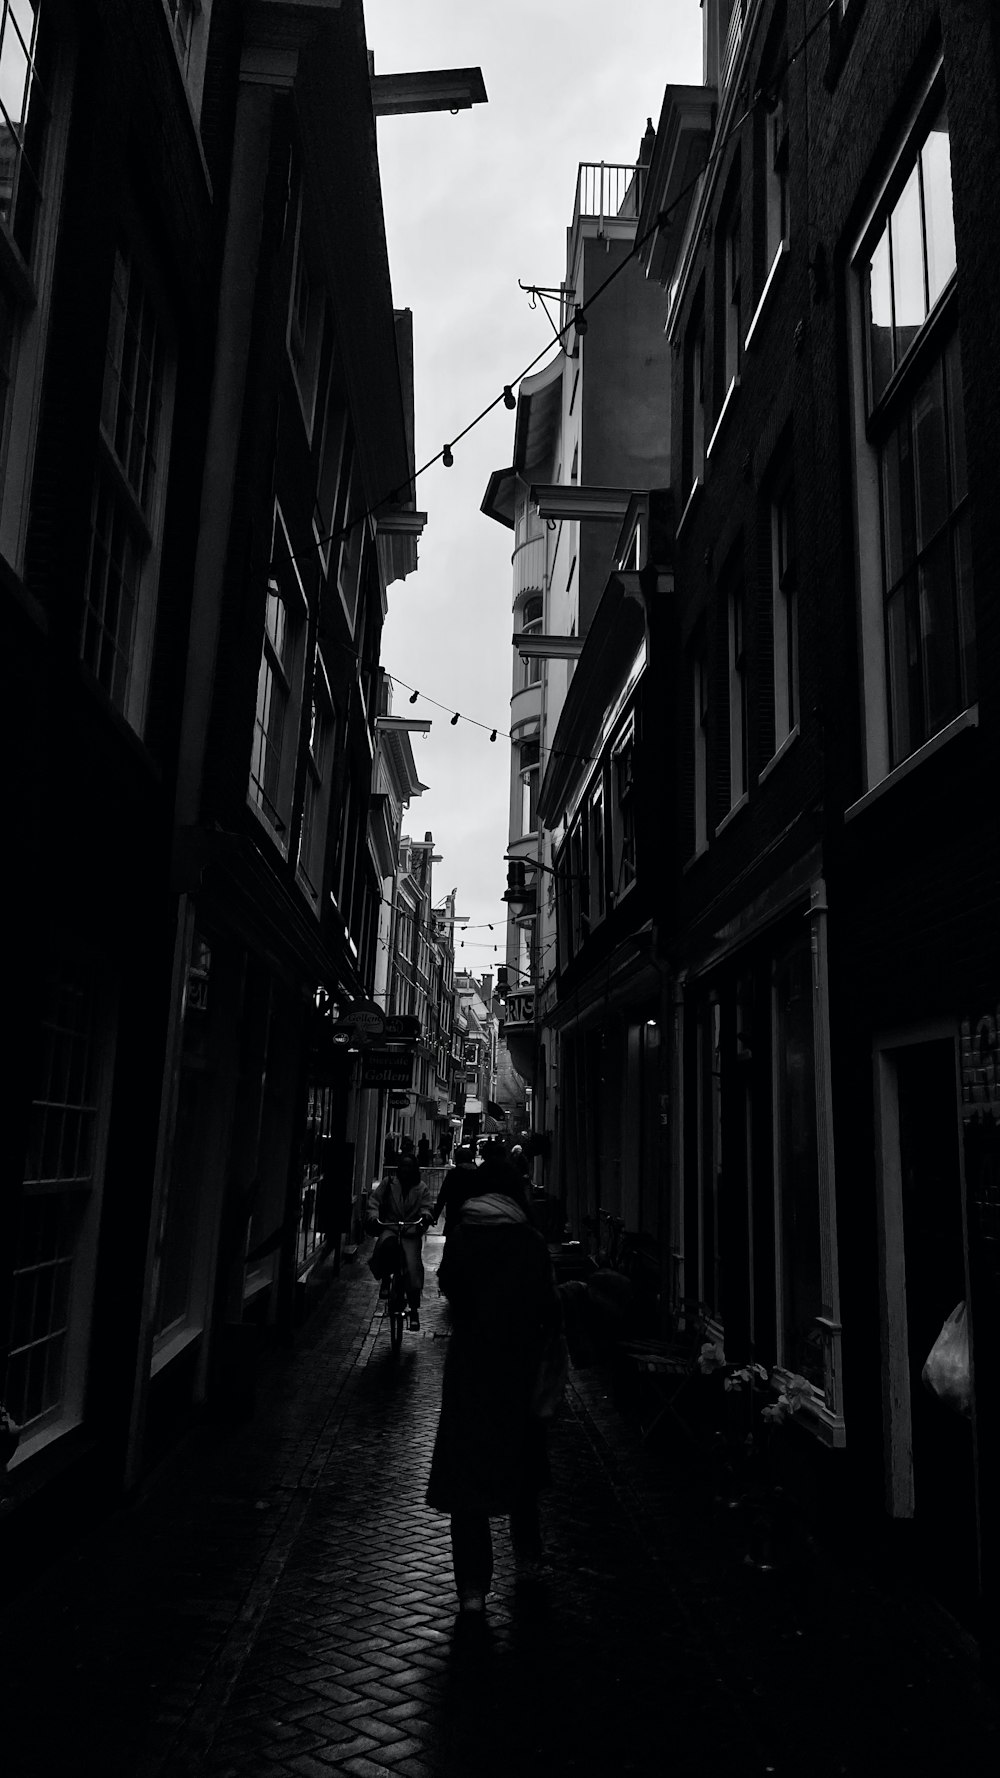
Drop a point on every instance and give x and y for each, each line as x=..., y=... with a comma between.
x=931, y=1460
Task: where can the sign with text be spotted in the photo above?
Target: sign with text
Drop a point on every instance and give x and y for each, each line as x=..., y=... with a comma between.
x=386, y=1068
x=520, y=1008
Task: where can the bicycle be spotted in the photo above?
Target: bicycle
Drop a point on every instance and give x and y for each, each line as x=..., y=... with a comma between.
x=396, y=1304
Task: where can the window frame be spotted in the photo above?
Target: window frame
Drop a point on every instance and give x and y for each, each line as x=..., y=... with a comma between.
x=284, y=584
x=314, y=817
x=785, y=617
x=115, y=489
x=26, y=285
x=871, y=429
x=69, y=1410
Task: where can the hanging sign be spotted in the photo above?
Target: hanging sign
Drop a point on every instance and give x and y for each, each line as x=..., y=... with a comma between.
x=386, y=1068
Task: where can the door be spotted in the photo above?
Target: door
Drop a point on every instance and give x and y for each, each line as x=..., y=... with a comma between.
x=934, y=1276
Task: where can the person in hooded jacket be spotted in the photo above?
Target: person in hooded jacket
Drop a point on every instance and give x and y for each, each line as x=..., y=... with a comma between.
x=490, y=1456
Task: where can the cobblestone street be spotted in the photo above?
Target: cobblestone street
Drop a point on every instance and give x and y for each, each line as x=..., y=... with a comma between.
x=280, y=1602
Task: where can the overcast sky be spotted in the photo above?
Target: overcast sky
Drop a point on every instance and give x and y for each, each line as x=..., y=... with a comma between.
x=472, y=204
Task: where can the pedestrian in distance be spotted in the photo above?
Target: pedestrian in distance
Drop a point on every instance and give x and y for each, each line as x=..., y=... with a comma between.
x=400, y=1196
x=490, y=1455
x=423, y=1152
x=519, y=1161
x=460, y=1182
x=444, y=1146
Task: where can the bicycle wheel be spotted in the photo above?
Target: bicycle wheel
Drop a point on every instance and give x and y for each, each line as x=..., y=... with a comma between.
x=397, y=1313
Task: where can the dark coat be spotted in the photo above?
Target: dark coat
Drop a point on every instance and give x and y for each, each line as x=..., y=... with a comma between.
x=489, y=1453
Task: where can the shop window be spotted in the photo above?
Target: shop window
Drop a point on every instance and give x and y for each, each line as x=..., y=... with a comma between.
x=918, y=625
x=800, y=1283
x=54, y=1251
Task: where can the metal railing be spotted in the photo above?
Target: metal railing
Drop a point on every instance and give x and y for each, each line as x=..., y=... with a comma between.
x=607, y=188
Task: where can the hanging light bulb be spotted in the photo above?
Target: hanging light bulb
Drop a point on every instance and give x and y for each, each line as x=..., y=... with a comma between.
x=509, y=398
x=414, y=695
x=446, y=456
x=454, y=719
x=493, y=735
x=579, y=321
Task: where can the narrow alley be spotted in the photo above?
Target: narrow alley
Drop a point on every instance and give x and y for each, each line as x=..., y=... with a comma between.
x=279, y=1602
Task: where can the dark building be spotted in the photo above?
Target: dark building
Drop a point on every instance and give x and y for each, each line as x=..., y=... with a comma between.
x=828, y=239
x=207, y=489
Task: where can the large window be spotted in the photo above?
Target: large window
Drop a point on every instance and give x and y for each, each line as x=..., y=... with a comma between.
x=316, y=792
x=24, y=119
x=919, y=629
x=597, y=864
x=53, y=1256
x=623, y=814
x=700, y=724
x=528, y=772
x=800, y=1285
x=126, y=514
x=738, y=695
x=694, y=399
x=531, y=625
x=307, y=311
x=784, y=612
x=279, y=689
x=776, y=175
x=733, y=287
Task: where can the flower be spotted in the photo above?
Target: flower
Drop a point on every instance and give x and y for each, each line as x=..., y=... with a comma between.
x=711, y=1358
x=798, y=1391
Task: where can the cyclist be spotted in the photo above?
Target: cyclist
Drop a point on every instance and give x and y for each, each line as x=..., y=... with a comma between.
x=400, y=1197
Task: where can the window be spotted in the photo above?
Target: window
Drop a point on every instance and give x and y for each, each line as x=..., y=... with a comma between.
x=126, y=516
x=316, y=794
x=279, y=687
x=55, y=1247
x=306, y=316
x=800, y=1285
x=776, y=173
x=597, y=866
x=352, y=544
x=528, y=769
x=183, y=18
x=24, y=120
x=623, y=815
x=332, y=450
x=35, y=86
x=785, y=616
x=917, y=595
x=694, y=402
x=731, y=317
x=700, y=712
x=738, y=690
x=531, y=625
x=579, y=881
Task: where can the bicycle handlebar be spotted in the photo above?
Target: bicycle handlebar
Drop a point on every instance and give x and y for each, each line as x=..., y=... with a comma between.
x=400, y=1228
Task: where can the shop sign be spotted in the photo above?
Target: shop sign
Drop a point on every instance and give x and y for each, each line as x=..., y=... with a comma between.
x=401, y=1027
x=366, y=1021
x=520, y=1009
x=398, y=1101
x=386, y=1068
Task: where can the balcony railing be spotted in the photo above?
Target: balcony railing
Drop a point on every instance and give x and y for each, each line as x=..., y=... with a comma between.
x=529, y=567
x=607, y=188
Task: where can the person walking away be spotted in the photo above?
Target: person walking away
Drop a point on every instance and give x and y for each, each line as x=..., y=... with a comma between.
x=400, y=1196
x=460, y=1182
x=490, y=1458
x=423, y=1152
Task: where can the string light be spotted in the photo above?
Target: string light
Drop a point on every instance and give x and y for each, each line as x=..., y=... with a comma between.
x=509, y=398
x=579, y=321
x=454, y=719
x=493, y=735
x=446, y=457
x=414, y=695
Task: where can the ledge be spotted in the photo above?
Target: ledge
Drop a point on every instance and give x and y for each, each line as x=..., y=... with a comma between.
x=723, y=412
x=765, y=295
x=778, y=754
x=737, y=806
x=699, y=852
x=965, y=720
x=689, y=504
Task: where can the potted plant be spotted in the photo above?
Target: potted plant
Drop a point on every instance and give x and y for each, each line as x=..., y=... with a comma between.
x=754, y=1404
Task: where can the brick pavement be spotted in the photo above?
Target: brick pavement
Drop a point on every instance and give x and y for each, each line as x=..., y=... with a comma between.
x=279, y=1604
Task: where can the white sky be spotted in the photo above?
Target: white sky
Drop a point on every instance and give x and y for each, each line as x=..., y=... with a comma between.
x=472, y=204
